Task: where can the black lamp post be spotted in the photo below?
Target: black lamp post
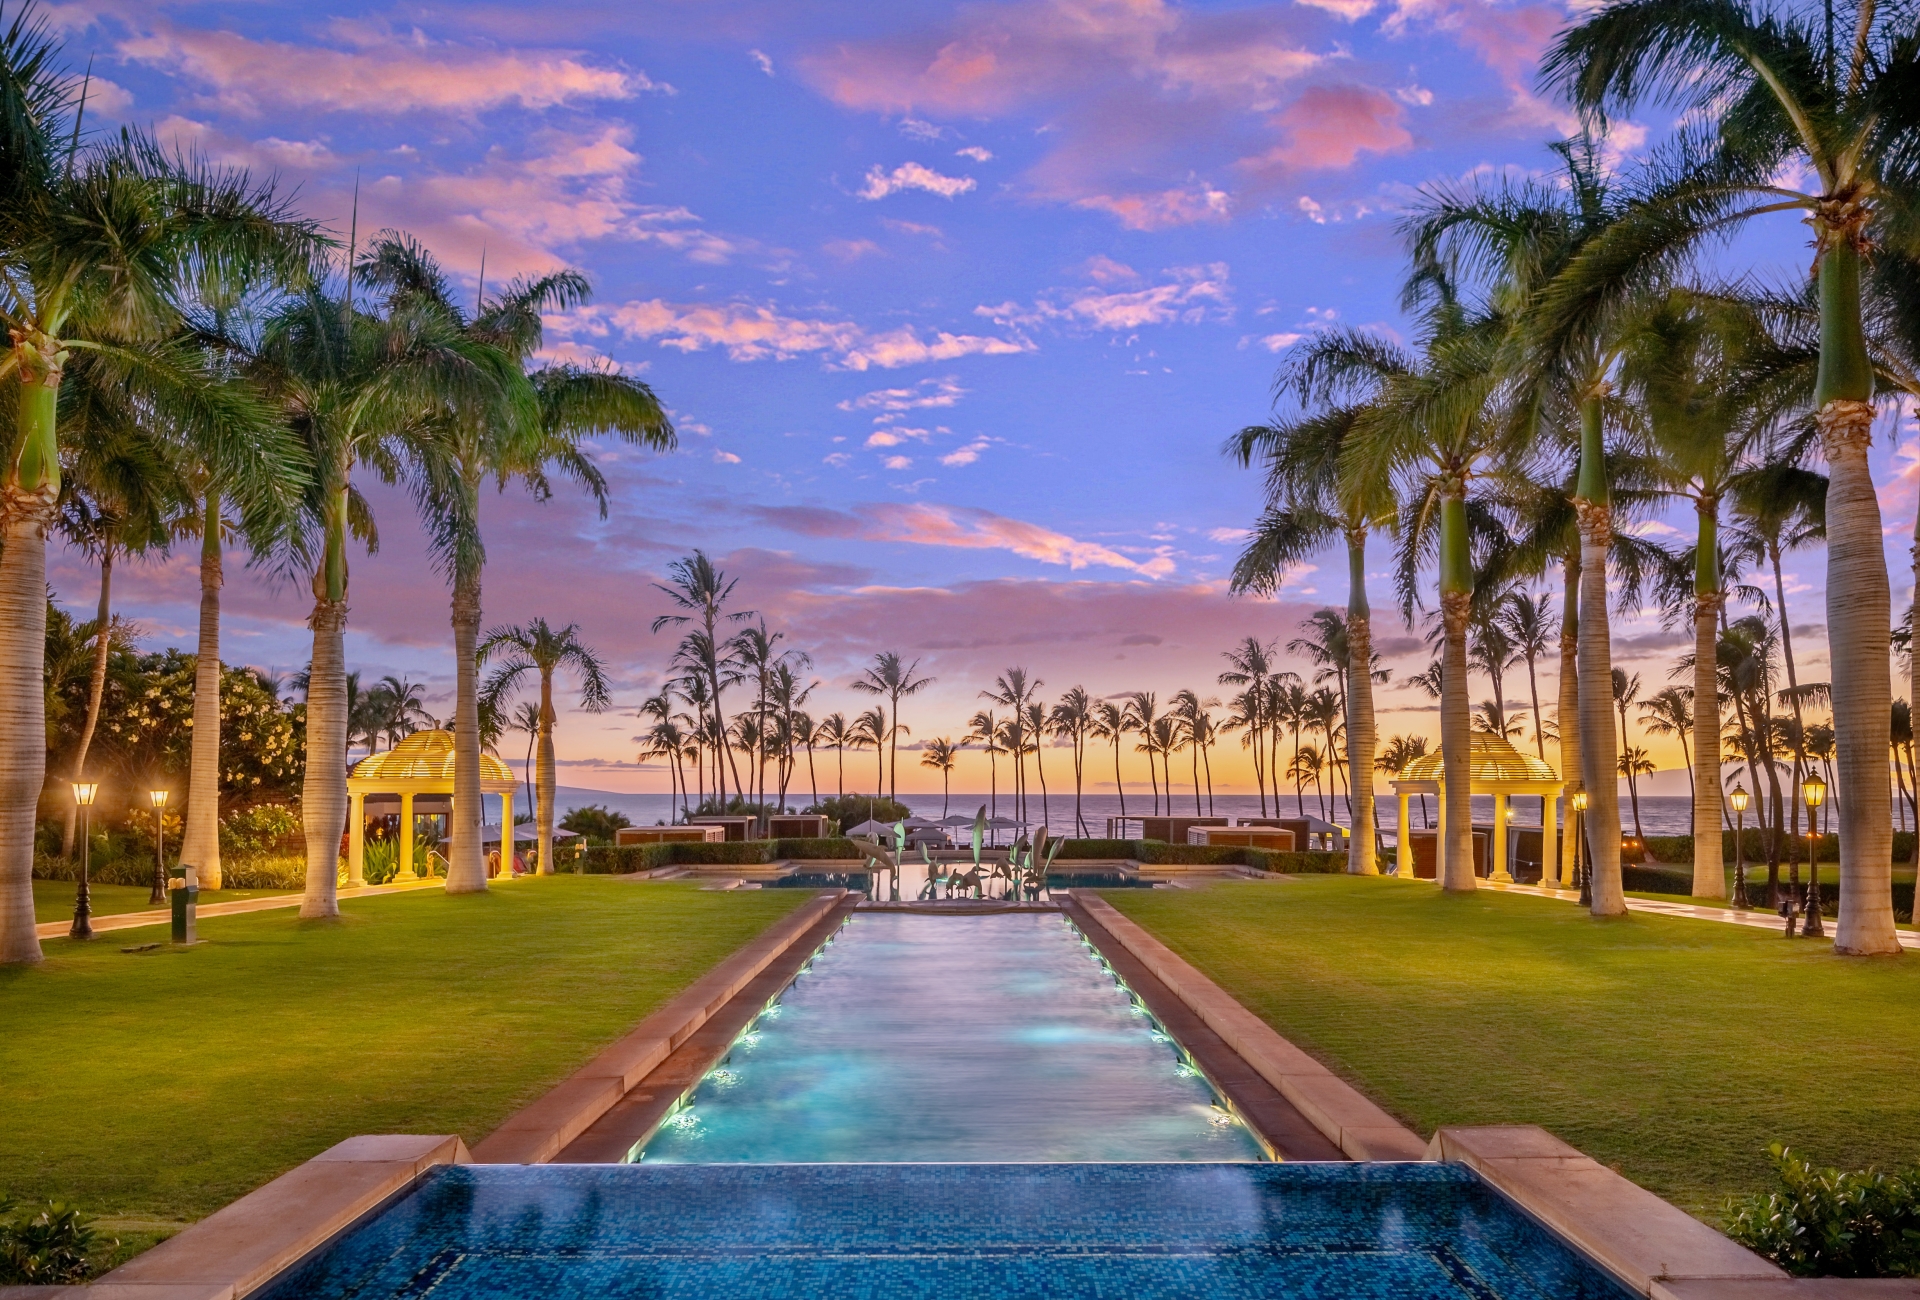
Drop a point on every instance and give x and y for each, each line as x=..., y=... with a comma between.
x=1815, y=792
x=1580, y=871
x=1739, y=799
x=159, y=894
x=83, y=793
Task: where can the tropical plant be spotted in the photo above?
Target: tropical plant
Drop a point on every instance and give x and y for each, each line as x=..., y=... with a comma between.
x=1111, y=723
x=594, y=823
x=1526, y=619
x=1769, y=89
x=1626, y=691
x=537, y=649
x=1072, y=720
x=833, y=733
x=104, y=244
x=889, y=677
x=1249, y=665
x=536, y=428
x=693, y=584
x=941, y=755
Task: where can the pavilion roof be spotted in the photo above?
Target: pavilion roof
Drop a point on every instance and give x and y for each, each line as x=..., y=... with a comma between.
x=425, y=756
x=1494, y=760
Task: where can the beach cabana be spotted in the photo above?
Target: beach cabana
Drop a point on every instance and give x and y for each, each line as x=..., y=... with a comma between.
x=414, y=777
x=1498, y=769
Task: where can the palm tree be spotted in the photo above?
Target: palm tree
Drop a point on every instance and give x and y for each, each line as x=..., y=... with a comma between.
x=1670, y=713
x=536, y=648
x=1394, y=757
x=1902, y=741
x=886, y=676
x=1249, y=664
x=1012, y=690
x=1143, y=711
x=832, y=732
x=870, y=729
x=1072, y=719
x=1111, y=723
x=985, y=730
x=1626, y=691
x=104, y=243
x=538, y=427
x=1035, y=726
x=693, y=584
x=1773, y=91
x=1289, y=702
x=524, y=719
x=1526, y=618
x=941, y=755
x=1519, y=240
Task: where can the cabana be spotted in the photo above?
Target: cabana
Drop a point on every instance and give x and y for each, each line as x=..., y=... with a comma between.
x=415, y=776
x=1498, y=769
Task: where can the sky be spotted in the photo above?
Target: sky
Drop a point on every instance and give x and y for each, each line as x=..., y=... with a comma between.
x=953, y=305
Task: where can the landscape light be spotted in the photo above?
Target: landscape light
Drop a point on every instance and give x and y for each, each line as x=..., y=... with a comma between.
x=84, y=791
x=1739, y=798
x=1815, y=791
x=1579, y=800
x=159, y=798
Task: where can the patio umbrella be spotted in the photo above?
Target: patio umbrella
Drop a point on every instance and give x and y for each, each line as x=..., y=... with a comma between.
x=871, y=827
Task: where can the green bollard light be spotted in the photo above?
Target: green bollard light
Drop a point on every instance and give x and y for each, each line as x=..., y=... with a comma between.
x=183, y=889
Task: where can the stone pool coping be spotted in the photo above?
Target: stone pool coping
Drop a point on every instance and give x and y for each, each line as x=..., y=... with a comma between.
x=1348, y=1119
x=536, y=1134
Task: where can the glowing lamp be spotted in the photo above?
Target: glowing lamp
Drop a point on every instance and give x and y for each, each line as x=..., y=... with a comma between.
x=1815, y=791
x=159, y=798
x=84, y=791
x=1739, y=798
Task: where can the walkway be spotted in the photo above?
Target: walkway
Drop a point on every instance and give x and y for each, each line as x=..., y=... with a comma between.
x=1758, y=918
x=134, y=920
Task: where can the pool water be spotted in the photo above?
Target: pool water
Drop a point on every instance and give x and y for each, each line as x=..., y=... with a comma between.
x=959, y=1232
x=953, y=1038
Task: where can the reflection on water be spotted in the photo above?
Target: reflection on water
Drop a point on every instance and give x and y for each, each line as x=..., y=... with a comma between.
x=940, y=1038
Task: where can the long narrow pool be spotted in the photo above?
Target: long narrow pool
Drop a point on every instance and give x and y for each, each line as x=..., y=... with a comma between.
x=953, y=1039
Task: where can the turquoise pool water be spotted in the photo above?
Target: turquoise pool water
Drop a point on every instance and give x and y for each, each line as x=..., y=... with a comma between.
x=950, y=1232
x=953, y=1039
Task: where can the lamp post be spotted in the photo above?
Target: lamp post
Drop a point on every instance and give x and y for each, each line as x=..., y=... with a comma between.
x=83, y=793
x=1739, y=799
x=159, y=894
x=1579, y=802
x=1814, y=790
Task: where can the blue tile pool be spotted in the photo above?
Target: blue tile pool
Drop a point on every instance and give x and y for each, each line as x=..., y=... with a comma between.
x=957, y=1232
x=954, y=1038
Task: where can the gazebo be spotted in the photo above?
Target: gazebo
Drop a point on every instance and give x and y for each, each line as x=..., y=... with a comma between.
x=415, y=776
x=1498, y=769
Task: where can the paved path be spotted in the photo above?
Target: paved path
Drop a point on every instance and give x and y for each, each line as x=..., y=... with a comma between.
x=134, y=920
x=1758, y=918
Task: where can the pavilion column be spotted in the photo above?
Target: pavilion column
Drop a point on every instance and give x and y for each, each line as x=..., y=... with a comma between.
x=1497, y=865
x=403, y=869
x=1549, y=841
x=356, y=841
x=1403, y=851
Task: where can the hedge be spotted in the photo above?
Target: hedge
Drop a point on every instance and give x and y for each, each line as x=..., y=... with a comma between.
x=1160, y=853
x=620, y=859
x=1666, y=880
x=1679, y=848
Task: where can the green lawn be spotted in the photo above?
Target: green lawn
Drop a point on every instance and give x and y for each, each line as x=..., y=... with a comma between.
x=1673, y=1050
x=153, y=1088
x=53, y=899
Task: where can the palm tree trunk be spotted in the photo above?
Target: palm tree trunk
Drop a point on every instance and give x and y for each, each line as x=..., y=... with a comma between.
x=1599, y=746
x=1362, y=736
x=1709, y=855
x=466, y=864
x=1859, y=610
x=1118, y=784
x=1533, y=687
x=544, y=783
x=1633, y=778
x=96, y=691
x=1455, y=868
x=1569, y=705
x=323, y=792
x=200, y=840
x=1040, y=767
x=27, y=511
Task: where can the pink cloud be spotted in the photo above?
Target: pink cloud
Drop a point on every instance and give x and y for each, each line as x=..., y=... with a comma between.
x=381, y=73
x=956, y=526
x=749, y=332
x=1191, y=294
x=1330, y=126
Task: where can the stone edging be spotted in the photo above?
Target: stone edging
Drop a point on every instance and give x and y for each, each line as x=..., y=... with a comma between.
x=247, y=1244
x=1361, y=1129
x=537, y=1133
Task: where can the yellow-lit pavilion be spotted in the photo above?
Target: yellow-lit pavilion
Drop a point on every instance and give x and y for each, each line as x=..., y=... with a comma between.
x=418, y=768
x=1497, y=769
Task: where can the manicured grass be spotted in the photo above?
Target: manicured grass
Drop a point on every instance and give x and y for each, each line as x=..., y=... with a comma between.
x=1673, y=1050
x=154, y=1088
x=53, y=899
